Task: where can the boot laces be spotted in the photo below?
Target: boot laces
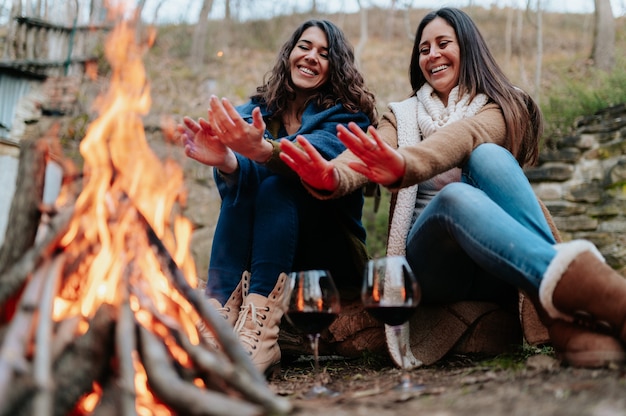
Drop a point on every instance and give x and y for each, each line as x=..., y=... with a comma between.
x=249, y=334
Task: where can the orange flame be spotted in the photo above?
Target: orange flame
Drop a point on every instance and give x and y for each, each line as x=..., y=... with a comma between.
x=89, y=402
x=300, y=301
x=376, y=291
x=123, y=177
x=125, y=187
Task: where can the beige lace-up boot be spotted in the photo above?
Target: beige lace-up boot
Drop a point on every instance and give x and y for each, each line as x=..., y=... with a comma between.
x=229, y=311
x=258, y=327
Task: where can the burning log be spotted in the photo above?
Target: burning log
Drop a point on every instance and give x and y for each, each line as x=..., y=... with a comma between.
x=45, y=369
x=25, y=211
x=209, y=315
x=84, y=362
x=185, y=397
x=107, y=303
x=85, y=359
x=30, y=221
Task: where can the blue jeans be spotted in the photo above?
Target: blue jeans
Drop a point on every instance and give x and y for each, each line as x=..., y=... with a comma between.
x=270, y=224
x=484, y=237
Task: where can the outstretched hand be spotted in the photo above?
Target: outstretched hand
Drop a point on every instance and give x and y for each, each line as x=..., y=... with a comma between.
x=237, y=134
x=380, y=162
x=203, y=145
x=306, y=161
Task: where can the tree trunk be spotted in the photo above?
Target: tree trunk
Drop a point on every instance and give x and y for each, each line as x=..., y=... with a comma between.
x=408, y=28
x=358, y=50
x=603, y=52
x=227, y=11
x=389, y=29
x=539, y=55
x=196, y=58
x=508, y=38
x=519, y=30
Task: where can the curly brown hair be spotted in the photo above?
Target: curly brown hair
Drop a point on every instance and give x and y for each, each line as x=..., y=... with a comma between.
x=345, y=84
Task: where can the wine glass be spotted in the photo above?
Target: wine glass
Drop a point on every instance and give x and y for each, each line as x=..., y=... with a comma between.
x=391, y=294
x=312, y=305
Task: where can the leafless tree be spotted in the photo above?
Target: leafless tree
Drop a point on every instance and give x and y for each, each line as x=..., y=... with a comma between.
x=228, y=16
x=539, y=55
x=198, y=40
x=391, y=12
x=408, y=28
x=140, y=5
x=155, y=14
x=536, y=20
x=603, y=51
x=508, y=37
x=518, y=47
x=364, y=35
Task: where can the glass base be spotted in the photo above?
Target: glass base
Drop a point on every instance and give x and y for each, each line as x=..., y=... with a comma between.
x=406, y=385
x=320, y=391
x=409, y=387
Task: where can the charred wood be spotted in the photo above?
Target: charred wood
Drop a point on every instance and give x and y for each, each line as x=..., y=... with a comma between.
x=85, y=361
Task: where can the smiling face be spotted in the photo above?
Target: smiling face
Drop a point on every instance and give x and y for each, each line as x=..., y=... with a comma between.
x=309, y=61
x=440, y=57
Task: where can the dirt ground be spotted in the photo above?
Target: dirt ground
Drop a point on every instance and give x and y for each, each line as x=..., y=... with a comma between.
x=459, y=385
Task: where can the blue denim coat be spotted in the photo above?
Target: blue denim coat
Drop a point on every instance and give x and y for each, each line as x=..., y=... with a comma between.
x=319, y=126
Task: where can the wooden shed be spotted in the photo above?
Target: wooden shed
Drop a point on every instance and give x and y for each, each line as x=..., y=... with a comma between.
x=41, y=69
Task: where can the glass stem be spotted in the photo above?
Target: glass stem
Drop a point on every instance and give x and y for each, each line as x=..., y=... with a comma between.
x=314, y=339
x=405, y=378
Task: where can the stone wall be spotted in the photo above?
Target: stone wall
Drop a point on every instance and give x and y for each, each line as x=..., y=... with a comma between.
x=582, y=181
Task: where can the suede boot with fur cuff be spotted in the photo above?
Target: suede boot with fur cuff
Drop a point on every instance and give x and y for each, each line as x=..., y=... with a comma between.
x=580, y=287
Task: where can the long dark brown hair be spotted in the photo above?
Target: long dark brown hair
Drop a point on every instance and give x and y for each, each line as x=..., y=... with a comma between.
x=479, y=73
x=345, y=84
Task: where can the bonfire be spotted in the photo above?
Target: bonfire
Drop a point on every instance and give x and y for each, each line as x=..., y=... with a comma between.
x=106, y=300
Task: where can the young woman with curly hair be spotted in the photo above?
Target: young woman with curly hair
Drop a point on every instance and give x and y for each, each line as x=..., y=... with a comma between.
x=269, y=225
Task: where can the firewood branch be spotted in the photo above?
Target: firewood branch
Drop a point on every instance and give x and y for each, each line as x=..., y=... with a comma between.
x=15, y=276
x=85, y=361
x=182, y=396
x=43, y=356
x=212, y=318
x=253, y=391
x=216, y=364
x=16, y=342
x=126, y=341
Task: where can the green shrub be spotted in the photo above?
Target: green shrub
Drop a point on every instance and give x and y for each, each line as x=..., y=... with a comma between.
x=376, y=223
x=581, y=95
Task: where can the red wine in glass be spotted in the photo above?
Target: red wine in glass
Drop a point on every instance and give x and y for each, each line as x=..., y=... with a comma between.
x=312, y=305
x=390, y=294
x=391, y=315
x=311, y=322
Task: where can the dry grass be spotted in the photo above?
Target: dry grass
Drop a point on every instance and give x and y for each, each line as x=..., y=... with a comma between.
x=248, y=52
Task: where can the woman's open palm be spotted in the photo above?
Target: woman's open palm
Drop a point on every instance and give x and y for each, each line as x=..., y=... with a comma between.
x=307, y=162
x=233, y=131
x=201, y=144
x=380, y=162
